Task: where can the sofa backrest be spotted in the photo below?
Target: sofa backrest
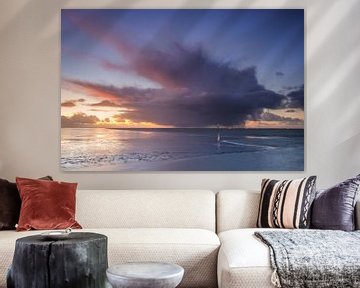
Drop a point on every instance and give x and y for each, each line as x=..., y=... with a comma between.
x=236, y=209
x=146, y=209
x=239, y=209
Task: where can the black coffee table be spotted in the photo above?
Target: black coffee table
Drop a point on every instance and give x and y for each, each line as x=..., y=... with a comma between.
x=78, y=261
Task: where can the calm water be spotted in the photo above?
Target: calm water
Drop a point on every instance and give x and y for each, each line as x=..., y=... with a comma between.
x=149, y=149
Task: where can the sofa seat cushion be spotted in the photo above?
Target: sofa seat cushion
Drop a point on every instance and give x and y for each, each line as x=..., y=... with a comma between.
x=194, y=249
x=244, y=261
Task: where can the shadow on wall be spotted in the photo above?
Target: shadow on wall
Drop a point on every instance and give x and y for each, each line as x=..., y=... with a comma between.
x=340, y=70
x=323, y=40
x=333, y=61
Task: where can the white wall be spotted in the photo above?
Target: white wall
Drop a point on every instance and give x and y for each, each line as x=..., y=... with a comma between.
x=30, y=94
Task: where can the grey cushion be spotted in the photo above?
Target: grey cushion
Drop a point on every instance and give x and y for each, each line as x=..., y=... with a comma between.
x=334, y=208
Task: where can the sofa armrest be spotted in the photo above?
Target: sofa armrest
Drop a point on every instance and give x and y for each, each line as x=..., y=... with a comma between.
x=357, y=215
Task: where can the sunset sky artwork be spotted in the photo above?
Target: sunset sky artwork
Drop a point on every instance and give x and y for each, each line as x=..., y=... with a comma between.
x=182, y=68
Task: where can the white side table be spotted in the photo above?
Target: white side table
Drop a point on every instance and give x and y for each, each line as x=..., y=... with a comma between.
x=145, y=275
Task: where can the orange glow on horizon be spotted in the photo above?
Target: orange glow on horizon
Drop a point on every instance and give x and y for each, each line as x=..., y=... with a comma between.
x=272, y=125
x=127, y=123
x=295, y=113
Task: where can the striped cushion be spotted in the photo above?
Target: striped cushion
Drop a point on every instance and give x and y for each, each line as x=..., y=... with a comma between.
x=286, y=204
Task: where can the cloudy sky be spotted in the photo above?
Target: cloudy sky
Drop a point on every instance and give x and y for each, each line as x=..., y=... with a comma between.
x=182, y=68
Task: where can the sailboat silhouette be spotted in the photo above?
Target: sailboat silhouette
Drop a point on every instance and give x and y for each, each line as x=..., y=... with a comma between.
x=218, y=137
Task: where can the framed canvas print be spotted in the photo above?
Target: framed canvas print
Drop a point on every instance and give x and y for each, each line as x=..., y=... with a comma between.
x=182, y=89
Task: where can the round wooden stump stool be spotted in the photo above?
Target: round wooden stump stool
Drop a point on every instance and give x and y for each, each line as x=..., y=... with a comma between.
x=145, y=275
x=78, y=261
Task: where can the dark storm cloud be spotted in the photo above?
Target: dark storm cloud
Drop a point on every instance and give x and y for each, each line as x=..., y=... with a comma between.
x=183, y=107
x=78, y=120
x=205, y=110
x=295, y=98
x=197, y=90
x=193, y=69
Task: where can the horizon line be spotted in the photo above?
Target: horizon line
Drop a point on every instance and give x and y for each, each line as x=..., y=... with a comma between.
x=225, y=128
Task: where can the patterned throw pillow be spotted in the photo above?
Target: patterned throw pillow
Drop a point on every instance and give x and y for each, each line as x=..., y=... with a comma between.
x=286, y=204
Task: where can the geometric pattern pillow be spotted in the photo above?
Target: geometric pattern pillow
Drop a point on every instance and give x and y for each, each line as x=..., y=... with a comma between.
x=286, y=204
